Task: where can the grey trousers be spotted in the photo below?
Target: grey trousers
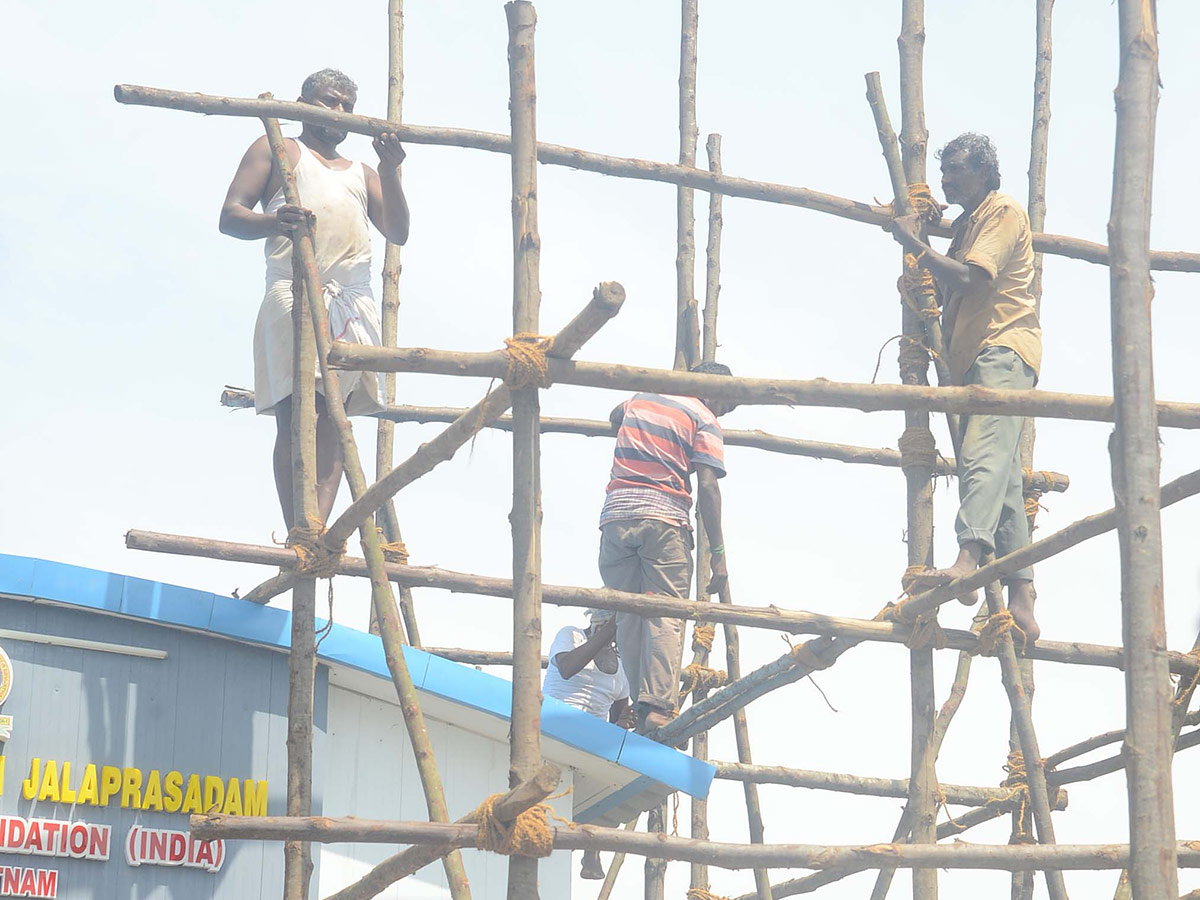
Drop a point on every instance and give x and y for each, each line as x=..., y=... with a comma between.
x=646, y=556
x=990, y=484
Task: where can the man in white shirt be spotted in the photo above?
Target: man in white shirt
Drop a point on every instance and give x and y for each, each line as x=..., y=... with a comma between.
x=585, y=671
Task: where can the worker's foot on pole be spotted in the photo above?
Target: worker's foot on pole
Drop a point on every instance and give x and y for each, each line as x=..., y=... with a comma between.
x=1020, y=603
x=653, y=719
x=591, y=870
x=914, y=582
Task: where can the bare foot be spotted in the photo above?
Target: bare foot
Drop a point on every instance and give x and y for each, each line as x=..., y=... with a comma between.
x=966, y=564
x=591, y=870
x=1020, y=603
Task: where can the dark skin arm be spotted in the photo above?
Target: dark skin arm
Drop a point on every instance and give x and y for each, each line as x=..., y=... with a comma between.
x=621, y=713
x=386, y=206
x=571, y=662
x=256, y=181
x=615, y=417
x=907, y=232
x=708, y=501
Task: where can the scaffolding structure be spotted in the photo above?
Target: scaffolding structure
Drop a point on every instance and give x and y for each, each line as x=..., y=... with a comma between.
x=531, y=363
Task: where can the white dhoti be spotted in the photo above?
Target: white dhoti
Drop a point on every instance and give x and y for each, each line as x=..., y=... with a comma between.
x=353, y=318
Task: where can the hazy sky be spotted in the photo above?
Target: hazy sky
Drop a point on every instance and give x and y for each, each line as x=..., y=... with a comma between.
x=127, y=311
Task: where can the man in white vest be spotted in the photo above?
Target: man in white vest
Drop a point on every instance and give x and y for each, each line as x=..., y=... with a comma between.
x=339, y=197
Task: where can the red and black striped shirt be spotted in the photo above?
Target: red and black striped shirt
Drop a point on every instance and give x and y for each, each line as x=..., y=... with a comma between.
x=661, y=440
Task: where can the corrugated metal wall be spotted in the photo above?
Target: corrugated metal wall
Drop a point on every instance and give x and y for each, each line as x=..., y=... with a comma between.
x=211, y=707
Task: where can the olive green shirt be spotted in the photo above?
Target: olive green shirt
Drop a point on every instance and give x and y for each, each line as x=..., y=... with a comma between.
x=999, y=312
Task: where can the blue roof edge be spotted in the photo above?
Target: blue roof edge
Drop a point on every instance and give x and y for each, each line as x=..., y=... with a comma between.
x=243, y=620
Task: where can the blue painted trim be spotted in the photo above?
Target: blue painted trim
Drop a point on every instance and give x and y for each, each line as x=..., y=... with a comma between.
x=230, y=617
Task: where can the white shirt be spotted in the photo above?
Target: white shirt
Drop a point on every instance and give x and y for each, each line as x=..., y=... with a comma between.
x=590, y=689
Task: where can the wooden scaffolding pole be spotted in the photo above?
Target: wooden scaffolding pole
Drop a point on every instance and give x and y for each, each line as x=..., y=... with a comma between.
x=302, y=660
x=385, y=443
x=687, y=322
x=553, y=154
x=773, y=617
x=1031, y=755
x=761, y=391
x=1039, y=148
x=996, y=857
x=525, y=748
x=381, y=593
x=1135, y=458
x=700, y=643
x=918, y=469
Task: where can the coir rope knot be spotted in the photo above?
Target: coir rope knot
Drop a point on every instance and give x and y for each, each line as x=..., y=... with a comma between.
x=527, y=363
x=393, y=551
x=993, y=632
x=313, y=558
x=697, y=678
x=528, y=834
x=805, y=655
x=917, y=448
x=703, y=635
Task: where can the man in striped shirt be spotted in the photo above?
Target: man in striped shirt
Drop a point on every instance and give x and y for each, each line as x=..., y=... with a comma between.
x=645, y=534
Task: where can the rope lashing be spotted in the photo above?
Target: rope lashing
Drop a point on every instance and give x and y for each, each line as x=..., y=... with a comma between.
x=528, y=834
x=1017, y=779
x=918, y=449
x=313, y=558
x=1033, y=495
x=527, y=363
x=993, y=632
x=393, y=551
x=925, y=629
x=805, y=655
x=702, y=894
x=703, y=635
x=697, y=678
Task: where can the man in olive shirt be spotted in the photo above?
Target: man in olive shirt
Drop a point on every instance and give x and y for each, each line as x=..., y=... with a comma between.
x=994, y=340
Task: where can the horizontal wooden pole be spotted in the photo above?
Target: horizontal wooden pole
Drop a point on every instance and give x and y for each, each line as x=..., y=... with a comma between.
x=957, y=794
x=760, y=391
x=1004, y=857
x=1115, y=763
x=772, y=617
x=241, y=398
x=623, y=167
x=477, y=657
x=1101, y=740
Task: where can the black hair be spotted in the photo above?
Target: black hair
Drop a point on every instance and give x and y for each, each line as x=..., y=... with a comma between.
x=981, y=154
x=710, y=368
x=333, y=78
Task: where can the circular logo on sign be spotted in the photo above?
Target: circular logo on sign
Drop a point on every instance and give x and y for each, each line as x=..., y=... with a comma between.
x=6, y=675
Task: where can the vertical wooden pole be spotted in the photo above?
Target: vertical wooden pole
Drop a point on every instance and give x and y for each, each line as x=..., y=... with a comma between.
x=382, y=600
x=712, y=281
x=919, y=478
x=525, y=754
x=1039, y=147
x=741, y=734
x=699, y=879
x=1022, y=714
x=302, y=662
x=686, y=319
x=389, y=318
x=1136, y=462
x=687, y=345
